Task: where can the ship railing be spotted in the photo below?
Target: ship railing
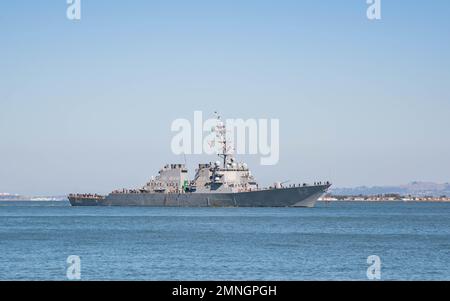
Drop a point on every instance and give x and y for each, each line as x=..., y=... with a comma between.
x=87, y=196
x=326, y=183
x=139, y=191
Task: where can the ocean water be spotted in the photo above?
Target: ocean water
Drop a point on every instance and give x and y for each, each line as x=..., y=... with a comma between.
x=329, y=242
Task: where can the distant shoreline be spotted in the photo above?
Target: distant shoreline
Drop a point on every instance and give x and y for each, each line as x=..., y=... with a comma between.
x=34, y=199
x=385, y=198
x=380, y=201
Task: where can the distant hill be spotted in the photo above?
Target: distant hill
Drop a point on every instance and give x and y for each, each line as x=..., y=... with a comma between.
x=413, y=188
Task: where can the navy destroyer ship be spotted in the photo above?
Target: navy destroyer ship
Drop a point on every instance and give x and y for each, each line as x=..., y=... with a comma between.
x=224, y=183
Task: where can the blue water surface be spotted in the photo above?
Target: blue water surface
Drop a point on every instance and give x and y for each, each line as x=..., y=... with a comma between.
x=329, y=242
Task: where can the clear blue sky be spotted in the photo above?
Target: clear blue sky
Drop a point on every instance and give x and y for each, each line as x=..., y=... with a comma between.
x=87, y=106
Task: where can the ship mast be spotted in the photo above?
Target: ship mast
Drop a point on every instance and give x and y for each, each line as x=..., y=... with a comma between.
x=221, y=138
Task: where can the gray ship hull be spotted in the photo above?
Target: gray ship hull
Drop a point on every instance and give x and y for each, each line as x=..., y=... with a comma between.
x=305, y=196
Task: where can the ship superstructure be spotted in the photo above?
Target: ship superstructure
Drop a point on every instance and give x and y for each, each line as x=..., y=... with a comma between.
x=224, y=183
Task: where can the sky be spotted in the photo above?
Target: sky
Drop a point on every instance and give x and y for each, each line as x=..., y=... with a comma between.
x=87, y=106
